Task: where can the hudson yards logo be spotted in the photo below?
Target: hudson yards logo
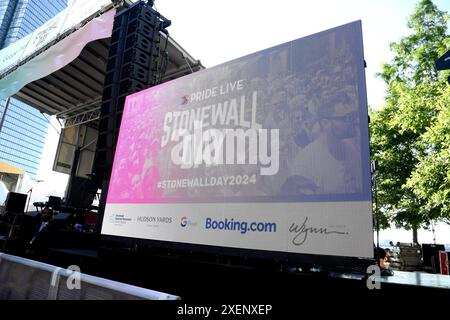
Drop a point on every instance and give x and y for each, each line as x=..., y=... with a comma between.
x=154, y=220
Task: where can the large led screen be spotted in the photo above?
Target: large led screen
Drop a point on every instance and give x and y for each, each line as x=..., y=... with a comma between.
x=265, y=152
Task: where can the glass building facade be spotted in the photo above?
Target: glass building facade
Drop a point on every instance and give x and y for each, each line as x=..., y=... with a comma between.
x=24, y=130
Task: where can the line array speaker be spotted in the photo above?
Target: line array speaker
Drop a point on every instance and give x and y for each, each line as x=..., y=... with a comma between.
x=133, y=65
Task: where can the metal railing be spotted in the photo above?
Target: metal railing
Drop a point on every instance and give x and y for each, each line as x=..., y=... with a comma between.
x=24, y=279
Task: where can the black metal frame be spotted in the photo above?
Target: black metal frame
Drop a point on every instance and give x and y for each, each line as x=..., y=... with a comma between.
x=238, y=256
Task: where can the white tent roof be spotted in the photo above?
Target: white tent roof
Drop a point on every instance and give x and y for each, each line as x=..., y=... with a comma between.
x=60, y=68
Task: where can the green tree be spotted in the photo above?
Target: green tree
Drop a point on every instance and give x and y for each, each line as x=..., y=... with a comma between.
x=431, y=178
x=407, y=132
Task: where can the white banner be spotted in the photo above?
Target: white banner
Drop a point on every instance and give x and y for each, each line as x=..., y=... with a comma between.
x=81, y=10
x=46, y=33
x=333, y=228
x=11, y=55
x=58, y=55
x=67, y=19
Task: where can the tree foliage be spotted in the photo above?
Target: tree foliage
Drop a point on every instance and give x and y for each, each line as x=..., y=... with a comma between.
x=410, y=134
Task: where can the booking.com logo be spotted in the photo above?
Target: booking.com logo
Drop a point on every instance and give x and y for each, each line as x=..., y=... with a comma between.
x=241, y=226
x=184, y=221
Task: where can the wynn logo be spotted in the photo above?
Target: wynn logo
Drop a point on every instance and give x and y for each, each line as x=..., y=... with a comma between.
x=302, y=231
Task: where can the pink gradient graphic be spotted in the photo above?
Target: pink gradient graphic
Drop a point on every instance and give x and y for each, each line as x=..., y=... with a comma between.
x=136, y=162
x=280, y=88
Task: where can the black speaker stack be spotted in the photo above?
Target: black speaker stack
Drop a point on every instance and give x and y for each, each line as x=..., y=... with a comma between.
x=134, y=64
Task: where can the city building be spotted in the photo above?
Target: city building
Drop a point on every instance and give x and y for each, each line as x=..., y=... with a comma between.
x=24, y=129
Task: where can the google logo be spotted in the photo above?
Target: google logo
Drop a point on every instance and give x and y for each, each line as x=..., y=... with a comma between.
x=183, y=221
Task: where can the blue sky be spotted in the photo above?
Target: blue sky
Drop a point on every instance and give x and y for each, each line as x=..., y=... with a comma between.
x=219, y=31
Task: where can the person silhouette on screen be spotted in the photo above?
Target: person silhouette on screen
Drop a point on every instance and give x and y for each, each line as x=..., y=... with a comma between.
x=331, y=163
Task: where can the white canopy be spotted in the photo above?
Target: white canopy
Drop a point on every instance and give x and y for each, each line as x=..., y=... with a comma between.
x=58, y=56
x=55, y=44
x=60, y=67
